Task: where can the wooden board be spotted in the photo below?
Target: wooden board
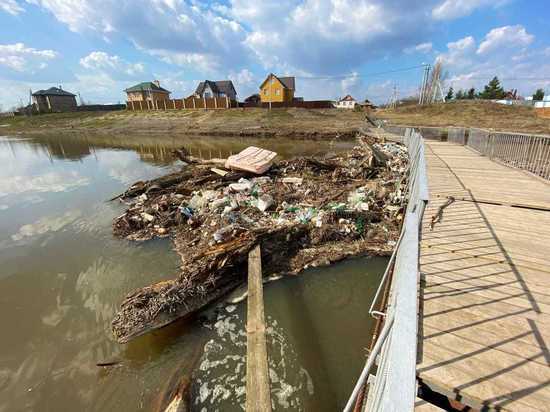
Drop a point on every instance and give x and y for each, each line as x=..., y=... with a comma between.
x=484, y=328
x=252, y=159
x=258, y=397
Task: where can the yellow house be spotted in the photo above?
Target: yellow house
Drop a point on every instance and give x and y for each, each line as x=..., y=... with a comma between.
x=277, y=89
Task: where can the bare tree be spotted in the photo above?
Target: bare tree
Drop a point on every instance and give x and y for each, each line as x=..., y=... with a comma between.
x=436, y=83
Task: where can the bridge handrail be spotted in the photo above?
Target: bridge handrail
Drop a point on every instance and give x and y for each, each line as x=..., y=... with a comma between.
x=524, y=151
x=393, y=387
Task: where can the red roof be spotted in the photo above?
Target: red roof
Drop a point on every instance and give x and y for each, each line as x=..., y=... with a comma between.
x=347, y=98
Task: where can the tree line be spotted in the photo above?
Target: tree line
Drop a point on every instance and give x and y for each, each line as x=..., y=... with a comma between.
x=492, y=91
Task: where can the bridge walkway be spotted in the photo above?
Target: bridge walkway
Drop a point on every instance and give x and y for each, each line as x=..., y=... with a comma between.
x=484, y=327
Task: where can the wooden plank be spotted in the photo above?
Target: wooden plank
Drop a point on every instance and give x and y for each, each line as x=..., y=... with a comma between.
x=258, y=396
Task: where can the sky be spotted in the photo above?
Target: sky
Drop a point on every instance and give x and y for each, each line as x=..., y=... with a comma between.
x=333, y=47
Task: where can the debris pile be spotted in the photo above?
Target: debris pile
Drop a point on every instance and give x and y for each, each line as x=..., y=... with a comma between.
x=305, y=212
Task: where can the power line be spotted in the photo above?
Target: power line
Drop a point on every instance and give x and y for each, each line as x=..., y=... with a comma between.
x=501, y=78
x=346, y=76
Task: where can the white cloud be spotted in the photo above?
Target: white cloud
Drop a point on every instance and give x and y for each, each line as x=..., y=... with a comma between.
x=11, y=7
x=311, y=35
x=45, y=225
x=199, y=61
x=351, y=84
x=452, y=9
x=48, y=182
x=503, y=52
x=245, y=82
x=504, y=38
x=459, y=52
x=21, y=58
x=99, y=60
x=419, y=48
x=177, y=31
x=330, y=37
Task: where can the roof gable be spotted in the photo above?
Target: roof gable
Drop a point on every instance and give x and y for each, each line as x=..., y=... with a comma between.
x=347, y=98
x=286, y=82
x=53, y=91
x=219, y=86
x=146, y=87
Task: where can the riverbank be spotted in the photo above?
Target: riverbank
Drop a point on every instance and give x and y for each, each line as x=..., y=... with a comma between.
x=468, y=113
x=290, y=122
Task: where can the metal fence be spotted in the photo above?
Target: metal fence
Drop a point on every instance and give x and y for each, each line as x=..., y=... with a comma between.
x=524, y=151
x=456, y=135
x=393, y=386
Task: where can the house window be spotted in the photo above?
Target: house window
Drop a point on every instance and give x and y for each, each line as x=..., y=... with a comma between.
x=208, y=95
x=277, y=92
x=266, y=92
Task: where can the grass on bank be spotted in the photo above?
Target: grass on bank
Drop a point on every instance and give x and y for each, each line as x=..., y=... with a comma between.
x=477, y=113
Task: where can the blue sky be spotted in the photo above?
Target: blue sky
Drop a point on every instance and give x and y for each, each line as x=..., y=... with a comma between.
x=333, y=47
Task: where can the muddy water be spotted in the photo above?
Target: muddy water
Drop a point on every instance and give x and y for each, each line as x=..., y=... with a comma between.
x=62, y=275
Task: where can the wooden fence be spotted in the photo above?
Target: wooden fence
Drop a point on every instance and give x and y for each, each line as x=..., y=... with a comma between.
x=308, y=104
x=209, y=103
x=543, y=111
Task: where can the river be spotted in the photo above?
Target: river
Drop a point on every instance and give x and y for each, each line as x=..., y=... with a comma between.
x=63, y=274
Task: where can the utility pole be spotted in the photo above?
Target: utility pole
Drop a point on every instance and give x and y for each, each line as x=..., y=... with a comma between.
x=392, y=104
x=270, y=89
x=30, y=102
x=424, y=87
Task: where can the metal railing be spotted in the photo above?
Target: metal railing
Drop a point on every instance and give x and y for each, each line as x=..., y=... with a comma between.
x=456, y=135
x=393, y=387
x=524, y=151
x=529, y=152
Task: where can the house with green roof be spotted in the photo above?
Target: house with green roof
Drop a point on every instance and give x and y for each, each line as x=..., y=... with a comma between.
x=54, y=99
x=147, y=91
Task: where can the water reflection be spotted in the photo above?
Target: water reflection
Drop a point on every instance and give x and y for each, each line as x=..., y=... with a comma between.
x=157, y=149
x=63, y=275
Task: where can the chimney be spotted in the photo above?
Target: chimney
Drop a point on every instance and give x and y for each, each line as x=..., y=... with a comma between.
x=156, y=82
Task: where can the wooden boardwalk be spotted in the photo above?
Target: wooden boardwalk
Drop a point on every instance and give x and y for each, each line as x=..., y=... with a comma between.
x=484, y=330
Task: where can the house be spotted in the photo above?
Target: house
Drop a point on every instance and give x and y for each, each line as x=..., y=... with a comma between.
x=147, y=91
x=347, y=102
x=253, y=99
x=54, y=99
x=277, y=89
x=367, y=104
x=220, y=88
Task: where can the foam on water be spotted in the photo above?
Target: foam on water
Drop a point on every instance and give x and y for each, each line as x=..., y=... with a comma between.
x=220, y=382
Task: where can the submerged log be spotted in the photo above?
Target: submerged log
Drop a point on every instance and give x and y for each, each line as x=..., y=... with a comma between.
x=212, y=274
x=176, y=396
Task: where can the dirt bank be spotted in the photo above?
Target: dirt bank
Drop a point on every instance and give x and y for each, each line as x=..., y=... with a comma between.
x=481, y=114
x=291, y=122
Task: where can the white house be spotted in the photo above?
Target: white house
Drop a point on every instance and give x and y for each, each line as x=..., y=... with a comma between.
x=545, y=102
x=347, y=102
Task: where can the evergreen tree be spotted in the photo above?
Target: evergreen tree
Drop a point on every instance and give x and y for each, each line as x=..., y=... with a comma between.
x=472, y=93
x=493, y=90
x=450, y=94
x=539, y=95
